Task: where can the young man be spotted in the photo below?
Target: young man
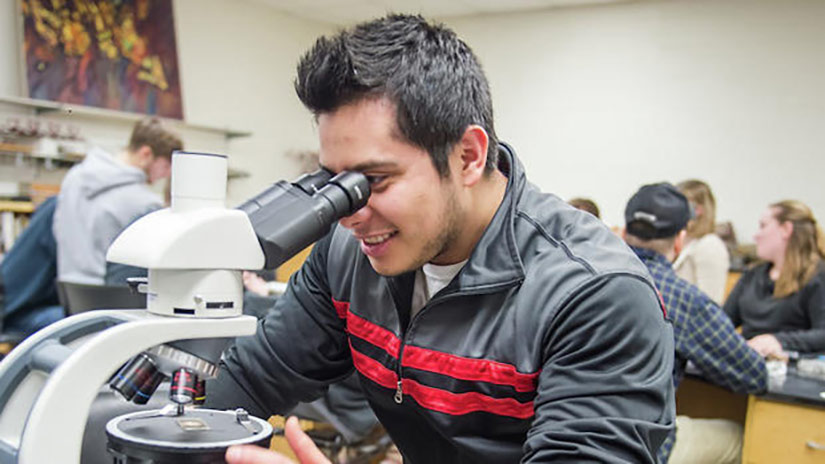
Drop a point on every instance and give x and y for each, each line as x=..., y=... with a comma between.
x=103, y=194
x=488, y=322
x=656, y=218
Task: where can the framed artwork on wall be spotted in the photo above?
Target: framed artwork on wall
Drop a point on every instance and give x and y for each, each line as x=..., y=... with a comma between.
x=114, y=54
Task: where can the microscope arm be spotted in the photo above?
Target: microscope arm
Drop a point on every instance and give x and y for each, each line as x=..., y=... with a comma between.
x=74, y=383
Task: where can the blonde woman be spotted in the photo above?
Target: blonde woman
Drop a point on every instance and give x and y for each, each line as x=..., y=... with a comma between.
x=704, y=260
x=780, y=304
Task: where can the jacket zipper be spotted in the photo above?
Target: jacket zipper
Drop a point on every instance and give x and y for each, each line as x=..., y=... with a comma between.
x=398, y=397
x=399, y=390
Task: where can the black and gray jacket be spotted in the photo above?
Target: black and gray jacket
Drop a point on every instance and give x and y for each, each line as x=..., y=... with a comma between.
x=550, y=345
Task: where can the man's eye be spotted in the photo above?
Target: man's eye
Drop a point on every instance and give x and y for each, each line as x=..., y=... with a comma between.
x=375, y=180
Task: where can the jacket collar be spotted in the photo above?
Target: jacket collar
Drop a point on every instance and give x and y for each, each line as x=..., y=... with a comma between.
x=495, y=261
x=649, y=256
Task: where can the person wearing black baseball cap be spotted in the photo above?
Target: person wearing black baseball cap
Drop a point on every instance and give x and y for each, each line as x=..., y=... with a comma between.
x=656, y=219
x=657, y=211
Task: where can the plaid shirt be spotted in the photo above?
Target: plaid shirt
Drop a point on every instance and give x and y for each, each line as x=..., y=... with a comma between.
x=704, y=335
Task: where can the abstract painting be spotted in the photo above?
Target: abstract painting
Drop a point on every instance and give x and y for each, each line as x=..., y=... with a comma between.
x=113, y=54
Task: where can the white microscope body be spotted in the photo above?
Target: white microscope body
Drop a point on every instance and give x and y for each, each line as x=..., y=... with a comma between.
x=194, y=252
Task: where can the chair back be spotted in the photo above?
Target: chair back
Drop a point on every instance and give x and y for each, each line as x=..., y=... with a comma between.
x=77, y=298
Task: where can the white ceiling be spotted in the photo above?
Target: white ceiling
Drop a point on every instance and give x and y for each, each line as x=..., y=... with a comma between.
x=345, y=12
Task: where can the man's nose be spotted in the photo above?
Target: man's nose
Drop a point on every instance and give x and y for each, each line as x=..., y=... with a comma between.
x=357, y=218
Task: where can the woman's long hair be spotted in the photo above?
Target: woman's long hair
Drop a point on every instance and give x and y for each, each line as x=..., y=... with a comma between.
x=698, y=194
x=805, y=250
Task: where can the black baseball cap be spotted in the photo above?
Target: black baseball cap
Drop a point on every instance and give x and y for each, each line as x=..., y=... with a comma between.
x=657, y=211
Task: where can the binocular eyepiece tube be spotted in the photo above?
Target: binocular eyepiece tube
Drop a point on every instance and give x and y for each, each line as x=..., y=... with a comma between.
x=288, y=217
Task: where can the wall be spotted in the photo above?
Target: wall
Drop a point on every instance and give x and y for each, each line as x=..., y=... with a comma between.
x=597, y=100
x=9, y=56
x=237, y=63
x=600, y=100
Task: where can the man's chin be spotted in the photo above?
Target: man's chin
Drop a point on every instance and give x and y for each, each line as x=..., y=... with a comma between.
x=386, y=270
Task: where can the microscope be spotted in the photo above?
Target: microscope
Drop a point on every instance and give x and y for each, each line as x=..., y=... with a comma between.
x=194, y=252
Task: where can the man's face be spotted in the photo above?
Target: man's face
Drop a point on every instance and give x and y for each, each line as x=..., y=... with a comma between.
x=159, y=168
x=413, y=215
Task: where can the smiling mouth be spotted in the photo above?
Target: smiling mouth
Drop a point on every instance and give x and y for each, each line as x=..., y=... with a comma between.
x=378, y=239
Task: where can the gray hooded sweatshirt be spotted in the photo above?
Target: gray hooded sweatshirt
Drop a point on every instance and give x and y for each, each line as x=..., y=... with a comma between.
x=98, y=199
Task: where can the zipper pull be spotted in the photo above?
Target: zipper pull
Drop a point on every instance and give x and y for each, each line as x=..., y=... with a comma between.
x=399, y=394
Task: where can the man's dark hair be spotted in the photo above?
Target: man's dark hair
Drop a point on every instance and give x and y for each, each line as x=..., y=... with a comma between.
x=153, y=133
x=432, y=77
x=585, y=204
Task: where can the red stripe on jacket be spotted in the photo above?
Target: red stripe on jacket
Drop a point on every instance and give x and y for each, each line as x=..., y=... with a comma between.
x=373, y=333
x=662, y=301
x=458, y=367
x=464, y=403
x=374, y=370
x=437, y=399
x=341, y=307
x=468, y=369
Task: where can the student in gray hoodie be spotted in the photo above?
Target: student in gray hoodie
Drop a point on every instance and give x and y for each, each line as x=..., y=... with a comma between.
x=102, y=195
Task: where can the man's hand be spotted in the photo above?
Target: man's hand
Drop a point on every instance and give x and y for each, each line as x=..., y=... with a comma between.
x=300, y=443
x=768, y=346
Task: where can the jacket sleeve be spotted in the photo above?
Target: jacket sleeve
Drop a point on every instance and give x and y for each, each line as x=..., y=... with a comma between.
x=710, y=341
x=812, y=300
x=298, y=349
x=605, y=393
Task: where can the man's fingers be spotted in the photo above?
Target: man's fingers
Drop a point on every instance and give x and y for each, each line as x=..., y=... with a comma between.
x=250, y=454
x=757, y=345
x=302, y=445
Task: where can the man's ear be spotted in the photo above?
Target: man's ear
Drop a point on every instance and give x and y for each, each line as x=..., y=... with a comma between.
x=144, y=156
x=473, y=154
x=679, y=243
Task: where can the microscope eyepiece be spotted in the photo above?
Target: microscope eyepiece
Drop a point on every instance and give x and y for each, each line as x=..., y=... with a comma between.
x=352, y=186
x=288, y=217
x=313, y=181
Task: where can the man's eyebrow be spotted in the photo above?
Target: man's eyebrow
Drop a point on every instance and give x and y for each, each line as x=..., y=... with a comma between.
x=367, y=166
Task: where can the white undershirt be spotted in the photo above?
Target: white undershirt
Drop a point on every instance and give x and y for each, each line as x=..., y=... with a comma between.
x=429, y=280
